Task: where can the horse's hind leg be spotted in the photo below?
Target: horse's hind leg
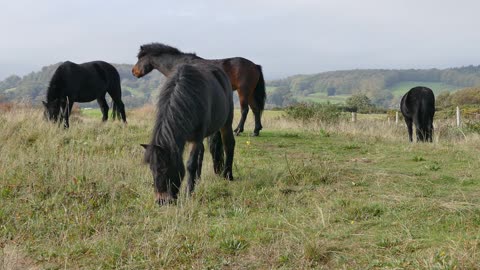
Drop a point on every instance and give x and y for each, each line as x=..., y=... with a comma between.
x=216, y=149
x=194, y=164
x=119, y=107
x=228, y=140
x=114, y=111
x=421, y=133
x=102, y=102
x=243, y=96
x=258, y=114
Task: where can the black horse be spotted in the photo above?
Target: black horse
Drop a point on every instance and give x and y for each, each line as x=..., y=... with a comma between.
x=418, y=106
x=195, y=102
x=245, y=76
x=83, y=83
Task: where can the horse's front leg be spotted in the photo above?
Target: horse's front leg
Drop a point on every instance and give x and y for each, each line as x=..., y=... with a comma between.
x=228, y=141
x=102, y=102
x=194, y=164
x=67, y=114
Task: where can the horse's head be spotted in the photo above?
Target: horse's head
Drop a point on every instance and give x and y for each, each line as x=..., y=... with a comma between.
x=52, y=110
x=143, y=65
x=165, y=178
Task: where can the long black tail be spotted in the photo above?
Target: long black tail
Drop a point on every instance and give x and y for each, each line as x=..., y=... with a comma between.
x=216, y=149
x=260, y=95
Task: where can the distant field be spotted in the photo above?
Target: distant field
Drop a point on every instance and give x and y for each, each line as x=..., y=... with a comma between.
x=93, y=112
x=270, y=89
x=134, y=92
x=10, y=90
x=323, y=98
x=397, y=90
x=400, y=89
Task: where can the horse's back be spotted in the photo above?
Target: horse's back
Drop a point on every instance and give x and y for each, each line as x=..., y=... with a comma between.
x=207, y=88
x=240, y=71
x=86, y=81
x=418, y=99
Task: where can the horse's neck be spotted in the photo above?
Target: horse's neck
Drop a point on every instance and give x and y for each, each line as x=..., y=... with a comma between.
x=166, y=64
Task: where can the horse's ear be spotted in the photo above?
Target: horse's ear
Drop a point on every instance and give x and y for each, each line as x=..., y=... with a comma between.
x=144, y=145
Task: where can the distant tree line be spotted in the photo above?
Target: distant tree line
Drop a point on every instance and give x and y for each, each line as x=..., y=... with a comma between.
x=370, y=83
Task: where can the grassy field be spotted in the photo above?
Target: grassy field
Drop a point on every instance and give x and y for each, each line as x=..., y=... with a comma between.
x=305, y=195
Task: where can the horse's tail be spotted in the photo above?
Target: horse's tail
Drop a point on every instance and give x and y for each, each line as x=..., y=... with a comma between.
x=216, y=149
x=260, y=95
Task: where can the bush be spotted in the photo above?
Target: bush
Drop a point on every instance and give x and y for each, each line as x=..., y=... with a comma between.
x=358, y=102
x=473, y=127
x=327, y=113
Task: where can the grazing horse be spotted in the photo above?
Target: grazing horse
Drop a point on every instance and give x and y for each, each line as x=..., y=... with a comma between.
x=418, y=106
x=195, y=102
x=83, y=83
x=245, y=76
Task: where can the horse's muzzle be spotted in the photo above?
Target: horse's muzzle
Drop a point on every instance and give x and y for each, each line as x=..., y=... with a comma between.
x=136, y=72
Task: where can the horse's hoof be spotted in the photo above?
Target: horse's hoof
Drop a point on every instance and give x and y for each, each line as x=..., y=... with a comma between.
x=228, y=175
x=163, y=202
x=237, y=131
x=163, y=198
x=255, y=134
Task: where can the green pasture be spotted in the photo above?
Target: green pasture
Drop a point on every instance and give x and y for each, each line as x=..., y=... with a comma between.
x=323, y=98
x=305, y=195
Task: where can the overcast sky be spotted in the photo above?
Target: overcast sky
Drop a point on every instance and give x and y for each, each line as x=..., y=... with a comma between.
x=285, y=36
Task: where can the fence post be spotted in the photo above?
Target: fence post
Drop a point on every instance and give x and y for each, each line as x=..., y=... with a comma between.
x=459, y=123
x=396, y=118
x=354, y=117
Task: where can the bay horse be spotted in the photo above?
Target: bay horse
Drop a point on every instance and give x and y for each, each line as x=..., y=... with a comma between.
x=245, y=76
x=195, y=102
x=418, y=107
x=85, y=82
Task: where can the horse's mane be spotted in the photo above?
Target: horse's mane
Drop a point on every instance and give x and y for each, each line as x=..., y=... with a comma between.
x=157, y=49
x=180, y=105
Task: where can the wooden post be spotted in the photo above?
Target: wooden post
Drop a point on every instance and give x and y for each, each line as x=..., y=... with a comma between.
x=459, y=123
x=396, y=118
x=354, y=117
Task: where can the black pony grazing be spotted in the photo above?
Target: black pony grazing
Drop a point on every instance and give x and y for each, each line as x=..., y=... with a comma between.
x=418, y=106
x=83, y=83
x=195, y=102
x=245, y=76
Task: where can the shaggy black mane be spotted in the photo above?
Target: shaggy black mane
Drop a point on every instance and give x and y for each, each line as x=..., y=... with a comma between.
x=157, y=49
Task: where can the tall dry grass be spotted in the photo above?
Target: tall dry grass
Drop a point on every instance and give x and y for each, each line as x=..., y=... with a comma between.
x=306, y=195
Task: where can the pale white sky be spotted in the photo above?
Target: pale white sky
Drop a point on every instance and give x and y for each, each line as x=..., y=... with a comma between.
x=285, y=37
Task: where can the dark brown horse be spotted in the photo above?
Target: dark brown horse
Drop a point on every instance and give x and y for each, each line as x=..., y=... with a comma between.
x=195, y=102
x=245, y=76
